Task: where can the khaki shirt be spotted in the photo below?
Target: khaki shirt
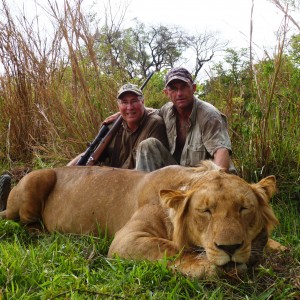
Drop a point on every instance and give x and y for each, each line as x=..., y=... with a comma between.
x=207, y=132
x=121, y=151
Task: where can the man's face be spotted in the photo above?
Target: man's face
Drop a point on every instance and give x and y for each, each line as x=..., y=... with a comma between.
x=181, y=94
x=132, y=108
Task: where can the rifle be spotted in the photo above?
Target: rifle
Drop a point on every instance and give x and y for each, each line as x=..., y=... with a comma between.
x=103, y=138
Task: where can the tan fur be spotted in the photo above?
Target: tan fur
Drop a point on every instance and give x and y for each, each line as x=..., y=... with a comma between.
x=78, y=199
x=206, y=218
x=219, y=213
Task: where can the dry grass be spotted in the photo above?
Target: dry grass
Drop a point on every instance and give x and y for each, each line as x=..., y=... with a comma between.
x=53, y=94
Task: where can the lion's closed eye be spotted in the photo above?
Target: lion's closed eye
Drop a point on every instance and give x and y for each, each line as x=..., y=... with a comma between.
x=243, y=209
x=204, y=211
x=246, y=208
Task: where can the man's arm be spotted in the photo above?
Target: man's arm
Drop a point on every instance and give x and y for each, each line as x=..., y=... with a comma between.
x=159, y=132
x=222, y=158
x=110, y=119
x=74, y=161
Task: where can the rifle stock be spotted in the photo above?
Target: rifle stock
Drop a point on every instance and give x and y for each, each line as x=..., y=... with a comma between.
x=105, y=135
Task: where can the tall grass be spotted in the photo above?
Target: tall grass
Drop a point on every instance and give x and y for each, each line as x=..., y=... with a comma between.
x=262, y=106
x=53, y=95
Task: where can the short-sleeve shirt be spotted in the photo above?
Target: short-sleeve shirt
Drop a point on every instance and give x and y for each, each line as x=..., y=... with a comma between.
x=206, y=134
x=121, y=151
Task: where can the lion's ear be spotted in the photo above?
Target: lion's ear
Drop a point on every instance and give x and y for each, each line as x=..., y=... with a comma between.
x=176, y=200
x=266, y=187
x=172, y=198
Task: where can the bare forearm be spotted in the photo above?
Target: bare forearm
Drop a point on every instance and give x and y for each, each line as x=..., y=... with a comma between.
x=74, y=161
x=222, y=158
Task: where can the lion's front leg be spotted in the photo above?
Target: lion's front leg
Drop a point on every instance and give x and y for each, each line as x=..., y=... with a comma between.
x=195, y=266
x=137, y=245
x=145, y=236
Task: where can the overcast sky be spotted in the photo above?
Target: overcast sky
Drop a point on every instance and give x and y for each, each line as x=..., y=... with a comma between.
x=231, y=18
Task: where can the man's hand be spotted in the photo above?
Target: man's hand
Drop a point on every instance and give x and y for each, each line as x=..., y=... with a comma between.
x=74, y=161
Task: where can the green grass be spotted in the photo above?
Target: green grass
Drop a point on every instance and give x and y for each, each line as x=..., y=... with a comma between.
x=264, y=127
x=57, y=266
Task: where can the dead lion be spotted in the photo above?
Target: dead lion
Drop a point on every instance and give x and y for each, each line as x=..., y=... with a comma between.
x=209, y=219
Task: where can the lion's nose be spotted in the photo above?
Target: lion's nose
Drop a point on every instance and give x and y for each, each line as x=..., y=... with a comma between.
x=229, y=249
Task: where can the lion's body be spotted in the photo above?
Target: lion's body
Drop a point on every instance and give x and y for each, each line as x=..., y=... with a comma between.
x=170, y=211
x=79, y=199
x=72, y=200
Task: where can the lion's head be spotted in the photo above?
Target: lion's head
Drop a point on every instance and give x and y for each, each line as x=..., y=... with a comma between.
x=223, y=215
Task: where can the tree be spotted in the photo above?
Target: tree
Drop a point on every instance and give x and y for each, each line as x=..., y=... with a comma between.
x=295, y=49
x=204, y=45
x=138, y=49
x=158, y=46
x=112, y=43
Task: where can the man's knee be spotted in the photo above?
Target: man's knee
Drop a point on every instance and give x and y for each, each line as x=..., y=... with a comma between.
x=149, y=143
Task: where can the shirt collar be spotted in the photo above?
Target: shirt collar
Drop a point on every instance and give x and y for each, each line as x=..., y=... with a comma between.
x=193, y=115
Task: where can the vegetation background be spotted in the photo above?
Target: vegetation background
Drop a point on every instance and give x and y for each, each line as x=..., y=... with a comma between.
x=55, y=90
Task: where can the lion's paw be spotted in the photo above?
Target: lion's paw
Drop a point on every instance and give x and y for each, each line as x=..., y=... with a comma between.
x=275, y=246
x=196, y=268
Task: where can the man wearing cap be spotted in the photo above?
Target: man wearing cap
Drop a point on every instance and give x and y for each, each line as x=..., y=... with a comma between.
x=138, y=125
x=196, y=130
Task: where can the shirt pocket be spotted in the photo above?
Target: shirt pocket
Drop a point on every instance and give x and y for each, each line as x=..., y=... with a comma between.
x=196, y=153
